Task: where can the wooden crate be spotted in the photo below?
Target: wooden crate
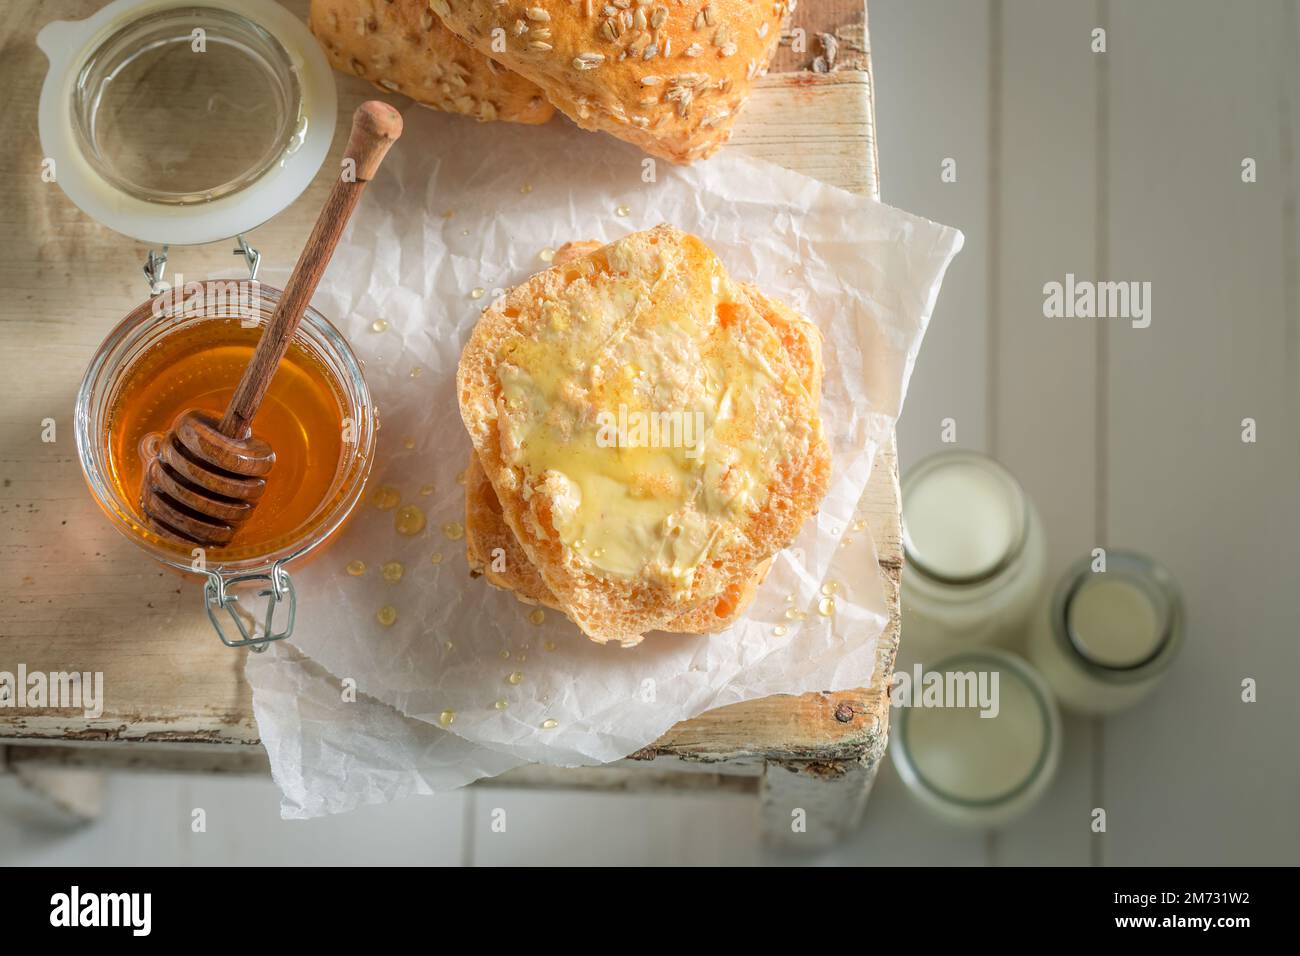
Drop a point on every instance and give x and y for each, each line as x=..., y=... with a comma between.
x=75, y=595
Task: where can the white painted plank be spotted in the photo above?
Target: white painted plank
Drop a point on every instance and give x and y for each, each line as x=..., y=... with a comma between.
x=147, y=821
x=898, y=831
x=930, y=64
x=1194, y=775
x=1043, y=387
x=931, y=68
x=525, y=827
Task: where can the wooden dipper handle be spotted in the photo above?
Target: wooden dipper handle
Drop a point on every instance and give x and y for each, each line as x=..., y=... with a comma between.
x=375, y=127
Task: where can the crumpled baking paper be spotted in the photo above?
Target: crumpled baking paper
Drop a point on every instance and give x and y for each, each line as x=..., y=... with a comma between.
x=465, y=683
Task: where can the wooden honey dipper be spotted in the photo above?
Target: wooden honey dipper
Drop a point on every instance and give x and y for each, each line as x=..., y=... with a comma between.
x=208, y=474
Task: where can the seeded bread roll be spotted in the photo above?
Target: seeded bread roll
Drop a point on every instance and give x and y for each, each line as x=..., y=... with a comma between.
x=667, y=75
x=631, y=534
x=494, y=552
x=401, y=47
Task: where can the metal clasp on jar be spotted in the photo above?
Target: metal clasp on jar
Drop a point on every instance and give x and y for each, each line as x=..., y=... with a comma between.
x=155, y=264
x=218, y=595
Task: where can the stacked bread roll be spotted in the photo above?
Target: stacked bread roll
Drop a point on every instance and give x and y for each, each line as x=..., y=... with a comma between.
x=667, y=75
x=646, y=437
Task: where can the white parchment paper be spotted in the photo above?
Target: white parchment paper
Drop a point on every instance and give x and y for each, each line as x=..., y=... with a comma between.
x=459, y=213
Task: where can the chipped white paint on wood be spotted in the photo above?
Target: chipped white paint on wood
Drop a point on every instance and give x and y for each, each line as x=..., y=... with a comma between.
x=811, y=805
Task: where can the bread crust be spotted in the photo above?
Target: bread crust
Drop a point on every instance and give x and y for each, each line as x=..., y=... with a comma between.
x=401, y=47
x=667, y=75
x=794, y=474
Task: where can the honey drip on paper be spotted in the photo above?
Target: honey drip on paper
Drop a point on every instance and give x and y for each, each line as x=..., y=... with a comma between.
x=409, y=520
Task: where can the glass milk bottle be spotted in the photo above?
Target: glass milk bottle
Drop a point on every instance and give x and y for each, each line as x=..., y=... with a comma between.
x=980, y=767
x=1110, y=635
x=975, y=554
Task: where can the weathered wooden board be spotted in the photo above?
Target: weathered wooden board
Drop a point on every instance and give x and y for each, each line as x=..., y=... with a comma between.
x=74, y=594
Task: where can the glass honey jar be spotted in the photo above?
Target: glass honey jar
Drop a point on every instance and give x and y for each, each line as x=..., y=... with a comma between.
x=180, y=124
x=186, y=349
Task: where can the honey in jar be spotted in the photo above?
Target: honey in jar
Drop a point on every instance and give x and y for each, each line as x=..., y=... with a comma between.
x=197, y=367
x=174, y=354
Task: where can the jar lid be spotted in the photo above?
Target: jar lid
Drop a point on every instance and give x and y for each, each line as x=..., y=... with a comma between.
x=183, y=123
x=965, y=517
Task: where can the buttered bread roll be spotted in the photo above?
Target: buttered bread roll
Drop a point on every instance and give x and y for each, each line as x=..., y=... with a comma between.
x=650, y=430
x=401, y=47
x=494, y=552
x=667, y=75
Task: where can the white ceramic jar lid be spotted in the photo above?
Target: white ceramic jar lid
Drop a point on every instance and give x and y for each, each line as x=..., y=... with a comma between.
x=277, y=120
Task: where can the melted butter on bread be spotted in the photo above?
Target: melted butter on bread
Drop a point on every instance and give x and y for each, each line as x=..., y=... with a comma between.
x=652, y=334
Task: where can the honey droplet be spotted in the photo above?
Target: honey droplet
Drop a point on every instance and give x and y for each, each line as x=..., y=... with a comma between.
x=547, y=254
x=408, y=443
x=417, y=371
x=387, y=498
x=550, y=723
x=622, y=211
x=454, y=530
x=477, y=293
x=846, y=541
x=516, y=677
x=830, y=587
x=409, y=520
x=549, y=646
x=379, y=325
x=426, y=490
x=537, y=615
x=392, y=571
x=779, y=630
x=449, y=645
x=826, y=607
x=447, y=718
x=790, y=599
x=502, y=704
x=526, y=188
x=435, y=558
x=860, y=524
x=505, y=655
x=387, y=615
x=356, y=568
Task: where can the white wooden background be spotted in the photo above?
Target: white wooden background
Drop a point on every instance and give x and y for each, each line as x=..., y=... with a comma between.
x=1126, y=166
x=1122, y=166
